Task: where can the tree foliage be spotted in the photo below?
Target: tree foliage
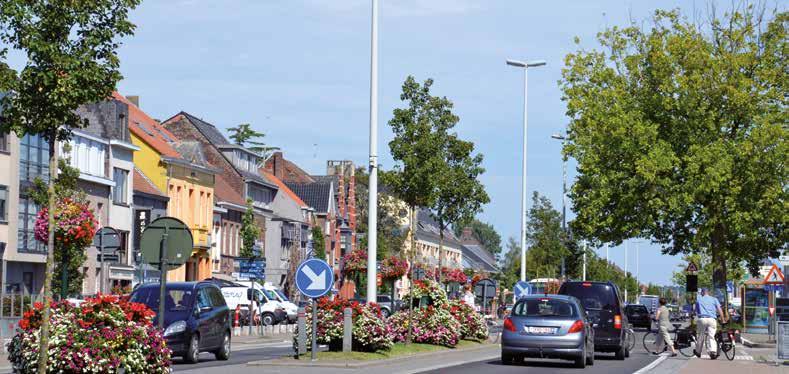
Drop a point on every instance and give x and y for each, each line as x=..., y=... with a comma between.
x=318, y=243
x=546, y=240
x=251, y=139
x=735, y=272
x=391, y=215
x=680, y=131
x=249, y=231
x=484, y=232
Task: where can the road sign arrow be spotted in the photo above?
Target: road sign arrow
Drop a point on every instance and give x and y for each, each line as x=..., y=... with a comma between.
x=318, y=282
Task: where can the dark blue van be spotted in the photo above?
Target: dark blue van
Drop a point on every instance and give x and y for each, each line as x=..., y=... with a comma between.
x=196, y=320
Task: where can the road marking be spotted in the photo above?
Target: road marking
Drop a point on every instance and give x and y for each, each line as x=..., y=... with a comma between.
x=652, y=365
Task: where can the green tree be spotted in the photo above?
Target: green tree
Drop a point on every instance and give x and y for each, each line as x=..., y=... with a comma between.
x=735, y=271
x=679, y=130
x=71, y=61
x=245, y=136
x=391, y=235
x=460, y=193
x=249, y=231
x=510, y=264
x=318, y=243
x=545, y=238
x=419, y=136
x=484, y=232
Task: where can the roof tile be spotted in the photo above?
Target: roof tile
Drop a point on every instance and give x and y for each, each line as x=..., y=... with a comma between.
x=149, y=130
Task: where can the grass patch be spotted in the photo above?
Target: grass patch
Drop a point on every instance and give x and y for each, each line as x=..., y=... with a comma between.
x=398, y=350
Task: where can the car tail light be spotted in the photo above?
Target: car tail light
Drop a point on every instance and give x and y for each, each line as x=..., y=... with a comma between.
x=508, y=325
x=578, y=326
x=618, y=322
x=586, y=284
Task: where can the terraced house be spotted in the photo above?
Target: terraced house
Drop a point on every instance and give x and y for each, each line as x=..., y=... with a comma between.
x=179, y=169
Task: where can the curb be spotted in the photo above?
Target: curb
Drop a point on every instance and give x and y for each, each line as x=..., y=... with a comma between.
x=751, y=344
x=362, y=364
x=651, y=365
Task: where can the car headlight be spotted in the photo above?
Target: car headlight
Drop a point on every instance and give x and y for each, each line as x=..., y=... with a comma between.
x=175, y=328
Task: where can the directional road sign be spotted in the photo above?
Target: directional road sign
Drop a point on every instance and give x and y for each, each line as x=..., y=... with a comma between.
x=521, y=289
x=252, y=268
x=314, y=278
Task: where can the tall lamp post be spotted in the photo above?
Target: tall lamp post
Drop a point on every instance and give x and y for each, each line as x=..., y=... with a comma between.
x=564, y=189
x=525, y=66
x=372, y=216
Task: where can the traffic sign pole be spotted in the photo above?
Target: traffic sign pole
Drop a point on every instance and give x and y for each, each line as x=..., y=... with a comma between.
x=314, y=329
x=162, y=275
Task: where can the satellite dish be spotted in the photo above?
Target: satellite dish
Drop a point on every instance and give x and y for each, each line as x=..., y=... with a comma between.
x=170, y=235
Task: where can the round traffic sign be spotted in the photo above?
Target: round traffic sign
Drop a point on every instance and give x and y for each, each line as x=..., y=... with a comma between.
x=168, y=234
x=314, y=278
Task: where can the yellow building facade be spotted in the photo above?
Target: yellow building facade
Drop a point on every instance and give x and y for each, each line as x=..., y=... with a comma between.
x=179, y=169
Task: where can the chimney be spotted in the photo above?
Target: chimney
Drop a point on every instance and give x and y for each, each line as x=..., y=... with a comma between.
x=467, y=236
x=278, y=167
x=134, y=99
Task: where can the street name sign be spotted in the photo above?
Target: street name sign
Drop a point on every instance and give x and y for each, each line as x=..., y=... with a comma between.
x=521, y=289
x=314, y=278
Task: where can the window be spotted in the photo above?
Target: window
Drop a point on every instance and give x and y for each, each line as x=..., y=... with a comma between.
x=26, y=240
x=121, y=192
x=33, y=158
x=88, y=156
x=203, y=298
x=216, y=296
x=3, y=142
x=3, y=203
x=544, y=307
x=259, y=195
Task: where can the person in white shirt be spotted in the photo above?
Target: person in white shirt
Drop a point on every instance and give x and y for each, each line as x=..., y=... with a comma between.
x=468, y=298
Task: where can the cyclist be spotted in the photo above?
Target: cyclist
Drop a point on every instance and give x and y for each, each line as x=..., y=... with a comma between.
x=664, y=324
x=708, y=309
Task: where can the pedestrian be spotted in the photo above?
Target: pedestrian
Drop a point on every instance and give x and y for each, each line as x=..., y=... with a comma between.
x=468, y=298
x=664, y=324
x=708, y=309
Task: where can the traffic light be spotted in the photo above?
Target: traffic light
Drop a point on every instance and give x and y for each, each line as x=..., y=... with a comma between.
x=691, y=283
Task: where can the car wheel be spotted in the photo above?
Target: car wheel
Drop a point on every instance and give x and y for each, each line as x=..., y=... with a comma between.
x=580, y=362
x=193, y=352
x=223, y=354
x=385, y=313
x=506, y=359
x=621, y=353
x=267, y=319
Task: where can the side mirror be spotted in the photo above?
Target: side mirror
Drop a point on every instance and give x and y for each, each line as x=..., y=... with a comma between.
x=205, y=309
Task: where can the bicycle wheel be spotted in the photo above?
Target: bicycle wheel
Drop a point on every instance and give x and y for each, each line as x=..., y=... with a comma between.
x=650, y=341
x=687, y=350
x=728, y=350
x=631, y=340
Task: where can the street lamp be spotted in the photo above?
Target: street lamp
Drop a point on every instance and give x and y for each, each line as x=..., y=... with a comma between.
x=372, y=216
x=525, y=66
x=564, y=189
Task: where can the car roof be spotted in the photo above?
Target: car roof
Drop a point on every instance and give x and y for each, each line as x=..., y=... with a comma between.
x=548, y=296
x=177, y=285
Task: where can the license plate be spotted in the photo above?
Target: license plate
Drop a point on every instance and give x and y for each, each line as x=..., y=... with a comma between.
x=540, y=330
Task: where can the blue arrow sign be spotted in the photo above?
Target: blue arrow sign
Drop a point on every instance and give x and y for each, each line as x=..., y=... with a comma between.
x=521, y=289
x=314, y=278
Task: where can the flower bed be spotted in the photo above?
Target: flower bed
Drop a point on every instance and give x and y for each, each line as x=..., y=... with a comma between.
x=103, y=335
x=432, y=325
x=472, y=324
x=370, y=333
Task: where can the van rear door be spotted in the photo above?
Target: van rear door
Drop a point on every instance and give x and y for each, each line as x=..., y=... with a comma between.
x=600, y=302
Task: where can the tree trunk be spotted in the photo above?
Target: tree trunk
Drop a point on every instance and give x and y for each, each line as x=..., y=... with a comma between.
x=441, y=256
x=411, y=278
x=719, y=271
x=47, y=293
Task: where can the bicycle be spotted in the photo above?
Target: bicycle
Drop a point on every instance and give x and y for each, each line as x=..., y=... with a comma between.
x=630, y=337
x=651, y=338
x=687, y=341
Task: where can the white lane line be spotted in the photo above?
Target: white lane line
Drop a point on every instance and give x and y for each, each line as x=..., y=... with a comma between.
x=652, y=365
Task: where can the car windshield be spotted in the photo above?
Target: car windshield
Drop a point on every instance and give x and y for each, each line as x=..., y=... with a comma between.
x=593, y=296
x=544, y=308
x=174, y=300
x=270, y=295
x=282, y=295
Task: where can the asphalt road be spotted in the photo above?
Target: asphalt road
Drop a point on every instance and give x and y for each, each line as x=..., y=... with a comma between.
x=604, y=363
x=240, y=354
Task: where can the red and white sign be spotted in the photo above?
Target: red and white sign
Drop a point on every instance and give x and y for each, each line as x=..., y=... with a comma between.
x=772, y=310
x=774, y=276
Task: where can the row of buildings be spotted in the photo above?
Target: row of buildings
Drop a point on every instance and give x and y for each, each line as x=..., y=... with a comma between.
x=134, y=169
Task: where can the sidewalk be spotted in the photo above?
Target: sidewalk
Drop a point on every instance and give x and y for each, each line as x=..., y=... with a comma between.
x=747, y=360
x=757, y=340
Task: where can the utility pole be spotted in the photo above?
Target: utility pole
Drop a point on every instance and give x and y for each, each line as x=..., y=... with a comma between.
x=584, y=260
x=372, y=216
x=564, y=190
x=525, y=66
x=626, y=271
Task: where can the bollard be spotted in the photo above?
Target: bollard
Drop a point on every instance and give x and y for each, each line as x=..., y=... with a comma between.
x=236, y=323
x=302, y=339
x=347, y=330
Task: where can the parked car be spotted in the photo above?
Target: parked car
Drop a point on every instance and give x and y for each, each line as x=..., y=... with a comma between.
x=267, y=311
x=550, y=326
x=603, y=303
x=638, y=316
x=385, y=303
x=196, y=317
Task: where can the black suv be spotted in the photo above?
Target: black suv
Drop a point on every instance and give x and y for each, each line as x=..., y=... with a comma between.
x=604, y=308
x=197, y=318
x=638, y=315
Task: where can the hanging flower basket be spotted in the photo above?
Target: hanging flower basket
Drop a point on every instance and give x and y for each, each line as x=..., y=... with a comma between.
x=354, y=263
x=453, y=275
x=75, y=224
x=393, y=268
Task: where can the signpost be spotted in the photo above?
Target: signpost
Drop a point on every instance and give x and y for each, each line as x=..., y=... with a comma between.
x=521, y=289
x=314, y=278
x=107, y=242
x=252, y=268
x=773, y=280
x=167, y=244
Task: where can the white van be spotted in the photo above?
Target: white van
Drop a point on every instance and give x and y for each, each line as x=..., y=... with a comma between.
x=274, y=293
x=270, y=310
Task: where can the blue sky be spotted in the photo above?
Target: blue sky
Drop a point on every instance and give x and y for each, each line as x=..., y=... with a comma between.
x=298, y=70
